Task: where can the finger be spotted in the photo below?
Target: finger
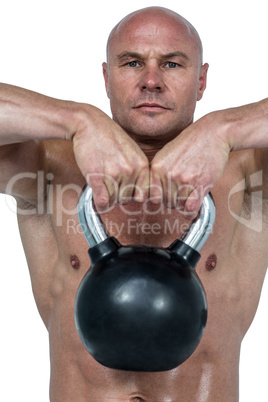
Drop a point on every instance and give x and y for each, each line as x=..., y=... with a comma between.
x=134, y=187
x=141, y=190
x=112, y=186
x=104, y=191
x=170, y=191
x=174, y=193
x=125, y=191
x=183, y=192
x=156, y=190
x=100, y=197
x=193, y=203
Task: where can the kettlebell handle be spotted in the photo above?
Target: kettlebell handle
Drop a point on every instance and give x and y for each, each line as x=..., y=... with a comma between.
x=95, y=231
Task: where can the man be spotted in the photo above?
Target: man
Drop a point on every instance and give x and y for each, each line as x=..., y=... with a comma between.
x=148, y=166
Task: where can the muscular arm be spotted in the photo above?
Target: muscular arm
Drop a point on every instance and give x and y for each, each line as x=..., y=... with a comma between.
x=104, y=152
x=26, y=118
x=27, y=115
x=246, y=126
x=194, y=161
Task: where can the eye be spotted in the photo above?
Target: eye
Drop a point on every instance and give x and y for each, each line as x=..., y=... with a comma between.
x=172, y=64
x=133, y=63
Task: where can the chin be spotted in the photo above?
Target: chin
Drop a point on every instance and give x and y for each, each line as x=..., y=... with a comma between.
x=152, y=132
x=150, y=127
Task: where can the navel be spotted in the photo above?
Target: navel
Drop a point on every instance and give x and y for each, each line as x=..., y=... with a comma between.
x=211, y=262
x=74, y=261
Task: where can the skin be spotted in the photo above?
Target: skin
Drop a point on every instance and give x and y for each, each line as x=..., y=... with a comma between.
x=153, y=75
x=150, y=144
x=155, y=98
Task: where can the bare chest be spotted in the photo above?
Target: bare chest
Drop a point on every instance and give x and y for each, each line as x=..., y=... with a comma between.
x=227, y=269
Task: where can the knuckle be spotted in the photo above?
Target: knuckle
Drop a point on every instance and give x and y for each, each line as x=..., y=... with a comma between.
x=157, y=165
x=144, y=163
x=158, y=169
x=127, y=170
x=112, y=171
x=183, y=177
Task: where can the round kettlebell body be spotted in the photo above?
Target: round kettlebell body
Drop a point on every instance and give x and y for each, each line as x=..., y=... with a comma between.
x=140, y=309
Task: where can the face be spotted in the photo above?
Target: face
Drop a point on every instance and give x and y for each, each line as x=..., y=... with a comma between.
x=154, y=77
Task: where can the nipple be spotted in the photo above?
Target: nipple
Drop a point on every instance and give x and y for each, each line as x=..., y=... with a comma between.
x=75, y=263
x=211, y=262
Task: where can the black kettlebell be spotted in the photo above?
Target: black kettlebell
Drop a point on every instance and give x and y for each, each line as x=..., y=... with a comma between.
x=139, y=307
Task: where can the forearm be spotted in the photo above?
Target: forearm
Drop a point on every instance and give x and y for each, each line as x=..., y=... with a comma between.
x=243, y=127
x=107, y=157
x=194, y=161
x=27, y=115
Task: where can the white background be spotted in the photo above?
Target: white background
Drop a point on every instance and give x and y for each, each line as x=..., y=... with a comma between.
x=56, y=48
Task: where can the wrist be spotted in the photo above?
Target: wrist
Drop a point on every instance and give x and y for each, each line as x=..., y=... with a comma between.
x=80, y=117
x=219, y=126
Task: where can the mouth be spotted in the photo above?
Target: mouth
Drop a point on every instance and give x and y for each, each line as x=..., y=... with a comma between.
x=151, y=107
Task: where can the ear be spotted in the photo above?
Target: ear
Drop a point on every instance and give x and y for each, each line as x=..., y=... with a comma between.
x=106, y=78
x=202, y=81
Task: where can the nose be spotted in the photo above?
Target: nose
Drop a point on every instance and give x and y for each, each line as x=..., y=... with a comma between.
x=152, y=80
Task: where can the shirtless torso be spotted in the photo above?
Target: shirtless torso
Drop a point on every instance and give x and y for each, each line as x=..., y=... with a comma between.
x=153, y=75
x=232, y=269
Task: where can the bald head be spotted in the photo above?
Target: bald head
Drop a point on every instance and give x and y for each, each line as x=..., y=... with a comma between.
x=152, y=15
x=154, y=73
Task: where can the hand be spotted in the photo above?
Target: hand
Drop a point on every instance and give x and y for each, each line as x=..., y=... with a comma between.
x=187, y=168
x=112, y=163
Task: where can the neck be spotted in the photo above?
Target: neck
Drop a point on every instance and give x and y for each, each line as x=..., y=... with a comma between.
x=151, y=146
x=151, y=150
